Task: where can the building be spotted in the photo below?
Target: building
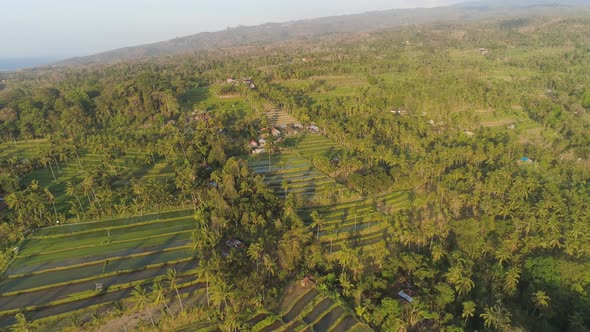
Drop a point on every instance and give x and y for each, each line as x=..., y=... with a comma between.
x=275, y=132
x=253, y=144
x=406, y=296
x=313, y=128
x=232, y=244
x=400, y=111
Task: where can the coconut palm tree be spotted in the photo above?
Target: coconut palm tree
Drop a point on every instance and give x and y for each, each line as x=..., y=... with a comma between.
x=255, y=253
x=205, y=270
x=221, y=292
x=540, y=301
x=318, y=223
x=468, y=310
x=159, y=295
x=21, y=325
x=495, y=317
x=172, y=279
x=142, y=301
x=51, y=199
x=72, y=190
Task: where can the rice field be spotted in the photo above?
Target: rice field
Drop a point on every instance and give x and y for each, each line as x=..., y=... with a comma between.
x=57, y=268
x=130, y=166
x=290, y=173
x=307, y=309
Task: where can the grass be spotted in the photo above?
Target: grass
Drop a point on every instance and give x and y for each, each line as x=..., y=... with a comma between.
x=202, y=98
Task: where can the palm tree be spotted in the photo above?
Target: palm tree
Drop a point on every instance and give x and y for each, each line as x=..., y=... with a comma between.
x=142, y=301
x=540, y=301
x=16, y=201
x=468, y=310
x=205, y=270
x=269, y=266
x=46, y=160
x=255, y=253
x=495, y=317
x=285, y=186
x=51, y=199
x=21, y=325
x=318, y=223
x=172, y=278
x=511, y=279
x=159, y=295
x=72, y=190
x=221, y=292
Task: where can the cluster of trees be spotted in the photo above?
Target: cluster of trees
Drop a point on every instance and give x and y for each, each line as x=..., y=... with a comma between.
x=488, y=242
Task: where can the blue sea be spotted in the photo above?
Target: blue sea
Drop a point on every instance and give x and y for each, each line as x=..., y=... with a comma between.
x=15, y=63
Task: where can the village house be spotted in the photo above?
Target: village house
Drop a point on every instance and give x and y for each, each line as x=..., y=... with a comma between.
x=525, y=160
x=399, y=111
x=406, y=296
x=253, y=144
x=313, y=128
x=275, y=132
x=484, y=51
x=469, y=133
x=232, y=244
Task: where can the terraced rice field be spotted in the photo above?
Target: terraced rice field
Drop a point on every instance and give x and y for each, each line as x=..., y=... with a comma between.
x=301, y=177
x=310, y=145
x=57, y=268
x=131, y=165
x=306, y=309
x=22, y=149
x=280, y=118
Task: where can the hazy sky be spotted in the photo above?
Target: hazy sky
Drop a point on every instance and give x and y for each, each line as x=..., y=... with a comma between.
x=66, y=28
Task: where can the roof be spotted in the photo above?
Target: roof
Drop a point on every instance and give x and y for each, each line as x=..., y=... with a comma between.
x=405, y=296
x=525, y=159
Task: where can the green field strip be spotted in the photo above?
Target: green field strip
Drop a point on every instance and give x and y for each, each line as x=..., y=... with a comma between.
x=291, y=313
x=316, y=309
x=375, y=232
x=360, y=327
x=95, y=277
x=114, y=230
x=90, y=298
x=50, y=246
x=112, y=222
x=272, y=324
x=296, y=175
x=104, y=267
x=89, y=259
x=328, y=319
x=343, y=324
x=95, y=250
x=101, y=260
x=296, y=185
x=295, y=325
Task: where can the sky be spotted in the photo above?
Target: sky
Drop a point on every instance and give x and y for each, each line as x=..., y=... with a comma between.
x=66, y=28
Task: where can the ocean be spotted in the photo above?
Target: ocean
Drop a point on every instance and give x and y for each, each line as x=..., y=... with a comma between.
x=15, y=63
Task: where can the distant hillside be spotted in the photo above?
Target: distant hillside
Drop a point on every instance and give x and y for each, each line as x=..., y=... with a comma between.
x=277, y=32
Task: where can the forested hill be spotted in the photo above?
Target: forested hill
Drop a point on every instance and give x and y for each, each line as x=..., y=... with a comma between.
x=277, y=32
